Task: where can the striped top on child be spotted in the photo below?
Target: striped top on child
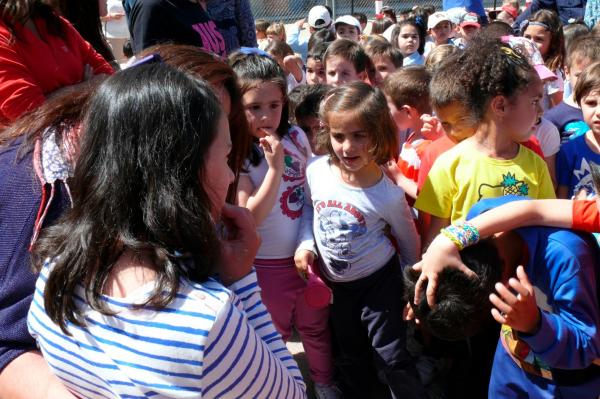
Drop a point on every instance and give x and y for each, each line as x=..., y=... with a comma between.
x=210, y=342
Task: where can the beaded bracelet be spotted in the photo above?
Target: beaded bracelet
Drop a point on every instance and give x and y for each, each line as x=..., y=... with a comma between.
x=462, y=234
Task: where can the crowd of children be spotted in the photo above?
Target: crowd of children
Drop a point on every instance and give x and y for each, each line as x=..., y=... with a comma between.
x=368, y=153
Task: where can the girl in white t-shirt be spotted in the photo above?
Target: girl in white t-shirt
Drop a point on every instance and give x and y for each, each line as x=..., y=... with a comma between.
x=272, y=188
x=364, y=232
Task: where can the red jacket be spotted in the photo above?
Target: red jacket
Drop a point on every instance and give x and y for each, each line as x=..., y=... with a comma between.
x=31, y=68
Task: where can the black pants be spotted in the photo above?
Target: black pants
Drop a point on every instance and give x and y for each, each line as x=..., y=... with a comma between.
x=367, y=323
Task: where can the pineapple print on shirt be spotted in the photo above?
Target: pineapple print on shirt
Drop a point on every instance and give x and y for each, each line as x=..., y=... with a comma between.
x=509, y=185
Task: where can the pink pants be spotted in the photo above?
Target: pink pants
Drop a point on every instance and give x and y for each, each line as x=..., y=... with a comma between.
x=282, y=291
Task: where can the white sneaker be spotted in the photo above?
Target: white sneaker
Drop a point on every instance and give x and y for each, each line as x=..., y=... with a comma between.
x=323, y=391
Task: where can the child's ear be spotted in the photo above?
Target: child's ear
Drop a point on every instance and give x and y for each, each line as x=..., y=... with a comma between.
x=499, y=105
x=365, y=78
x=567, y=72
x=411, y=112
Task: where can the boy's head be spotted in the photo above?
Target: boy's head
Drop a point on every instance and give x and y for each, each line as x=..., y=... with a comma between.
x=582, y=52
x=574, y=31
x=407, y=95
x=320, y=36
x=587, y=95
x=449, y=100
x=345, y=61
x=362, y=19
x=347, y=27
x=279, y=50
x=385, y=59
x=439, y=27
x=462, y=304
x=469, y=26
x=261, y=25
x=315, y=66
x=319, y=17
x=496, y=29
x=439, y=54
x=304, y=103
x=276, y=31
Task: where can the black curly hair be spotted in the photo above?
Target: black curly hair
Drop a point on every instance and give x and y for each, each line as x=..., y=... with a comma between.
x=490, y=68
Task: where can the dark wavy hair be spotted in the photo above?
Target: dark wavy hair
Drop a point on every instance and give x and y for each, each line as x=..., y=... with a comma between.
x=198, y=62
x=137, y=185
x=489, y=68
x=462, y=304
x=414, y=24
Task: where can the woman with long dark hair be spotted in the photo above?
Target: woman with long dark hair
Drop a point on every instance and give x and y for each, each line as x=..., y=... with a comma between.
x=41, y=53
x=128, y=302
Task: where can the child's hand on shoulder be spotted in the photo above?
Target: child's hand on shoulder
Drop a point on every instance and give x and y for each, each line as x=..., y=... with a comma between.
x=273, y=150
x=519, y=311
x=432, y=128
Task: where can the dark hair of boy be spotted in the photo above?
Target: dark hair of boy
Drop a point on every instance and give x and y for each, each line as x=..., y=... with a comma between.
x=310, y=100
x=157, y=199
x=380, y=25
x=279, y=48
x=462, y=304
x=362, y=18
x=127, y=49
x=261, y=25
x=574, y=31
x=320, y=36
x=496, y=29
x=351, y=51
x=409, y=86
x=382, y=48
x=444, y=88
x=583, y=48
x=370, y=107
x=588, y=81
x=318, y=52
x=295, y=97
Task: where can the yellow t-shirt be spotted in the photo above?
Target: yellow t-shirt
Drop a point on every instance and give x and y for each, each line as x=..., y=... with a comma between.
x=462, y=176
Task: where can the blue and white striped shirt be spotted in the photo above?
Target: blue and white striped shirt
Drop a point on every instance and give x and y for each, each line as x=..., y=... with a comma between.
x=210, y=342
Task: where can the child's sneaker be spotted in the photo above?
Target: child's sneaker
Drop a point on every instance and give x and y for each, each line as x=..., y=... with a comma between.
x=323, y=391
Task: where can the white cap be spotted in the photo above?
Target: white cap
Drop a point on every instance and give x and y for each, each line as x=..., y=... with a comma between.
x=456, y=14
x=348, y=20
x=319, y=17
x=436, y=18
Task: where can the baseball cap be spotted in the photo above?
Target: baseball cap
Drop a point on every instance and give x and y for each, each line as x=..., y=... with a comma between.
x=319, y=17
x=348, y=20
x=513, y=12
x=456, y=14
x=529, y=50
x=470, y=19
x=436, y=18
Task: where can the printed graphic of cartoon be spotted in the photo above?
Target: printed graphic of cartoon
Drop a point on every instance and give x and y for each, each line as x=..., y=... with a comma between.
x=292, y=167
x=291, y=201
x=508, y=186
x=573, y=130
x=340, y=225
x=584, y=179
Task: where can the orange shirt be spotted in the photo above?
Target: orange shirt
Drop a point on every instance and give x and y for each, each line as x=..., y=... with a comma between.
x=586, y=215
x=32, y=68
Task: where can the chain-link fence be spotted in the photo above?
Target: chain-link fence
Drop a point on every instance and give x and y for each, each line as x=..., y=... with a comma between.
x=292, y=10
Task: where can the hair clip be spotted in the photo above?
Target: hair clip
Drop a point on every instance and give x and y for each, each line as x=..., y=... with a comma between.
x=254, y=51
x=153, y=58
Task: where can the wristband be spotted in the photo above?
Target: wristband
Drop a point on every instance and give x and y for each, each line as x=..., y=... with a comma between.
x=462, y=235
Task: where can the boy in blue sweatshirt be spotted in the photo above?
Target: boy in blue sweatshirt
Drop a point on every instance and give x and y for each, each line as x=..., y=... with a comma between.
x=549, y=310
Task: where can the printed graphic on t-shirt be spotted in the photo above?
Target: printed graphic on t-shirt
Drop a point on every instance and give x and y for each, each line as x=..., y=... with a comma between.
x=583, y=178
x=509, y=185
x=573, y=130
x=292, y=167
x=212, y=40
x=292, y=201
x=340, y=224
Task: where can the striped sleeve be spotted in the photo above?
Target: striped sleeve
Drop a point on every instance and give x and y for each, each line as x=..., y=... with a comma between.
x=244, y=355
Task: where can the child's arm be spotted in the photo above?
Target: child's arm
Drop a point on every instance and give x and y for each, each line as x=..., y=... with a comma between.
x=443, y=253
x=260, y=201
x=400, y=219
x=293, y=64
x=306, y=253
x=392, y=171
x=433, y=229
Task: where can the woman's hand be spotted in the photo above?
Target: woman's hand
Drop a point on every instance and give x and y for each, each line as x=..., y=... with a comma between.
x=273, y=151
x=442, y=253
x=519, y=311
x=303, y=260
x=240, y=245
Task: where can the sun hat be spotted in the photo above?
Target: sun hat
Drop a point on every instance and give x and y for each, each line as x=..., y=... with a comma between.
x=529, y=50
x=348, y=20
x=319, y=17
x=436, y=18
x=470, y=19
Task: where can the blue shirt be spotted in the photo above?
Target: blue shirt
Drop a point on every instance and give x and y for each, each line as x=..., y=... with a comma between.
x=475, y=6
x=568, y=120
x=573, y=166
